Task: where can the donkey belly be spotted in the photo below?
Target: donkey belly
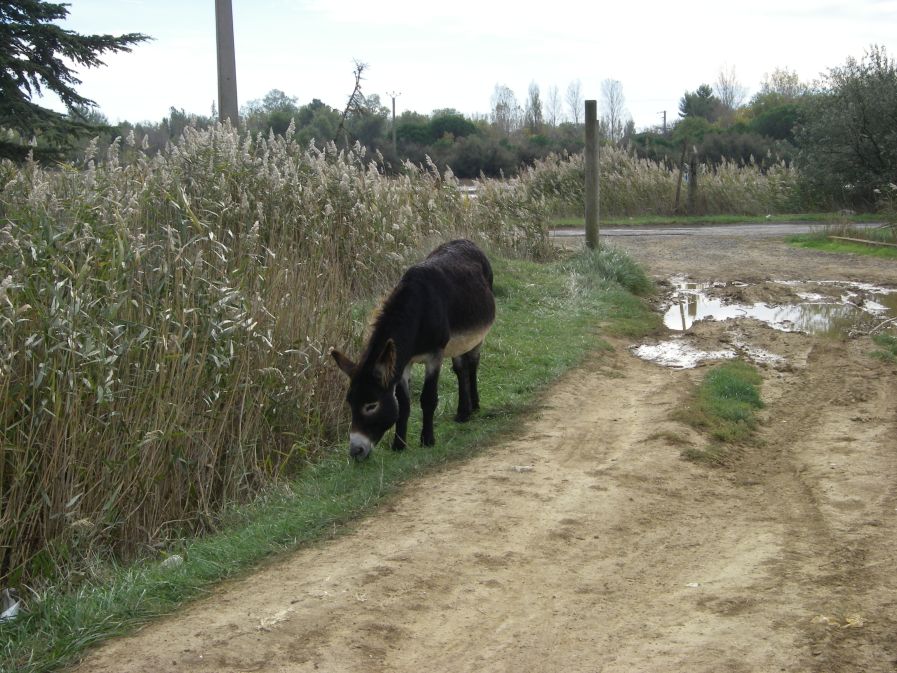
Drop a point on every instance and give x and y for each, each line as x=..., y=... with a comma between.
x=458, y=344
x=462, y=342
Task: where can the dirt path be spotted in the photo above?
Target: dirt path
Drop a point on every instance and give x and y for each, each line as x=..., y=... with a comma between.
x=586, y=543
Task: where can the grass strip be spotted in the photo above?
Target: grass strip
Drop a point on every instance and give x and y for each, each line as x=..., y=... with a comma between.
x=548, y=319
x=821, y=241
x=723, y=406
x=888, y=347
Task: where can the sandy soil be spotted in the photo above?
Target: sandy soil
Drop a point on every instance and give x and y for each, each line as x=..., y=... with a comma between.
x=587, y=543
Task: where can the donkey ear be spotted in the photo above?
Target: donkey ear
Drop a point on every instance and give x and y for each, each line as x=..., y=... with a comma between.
x=386, y=363
x=343, y=362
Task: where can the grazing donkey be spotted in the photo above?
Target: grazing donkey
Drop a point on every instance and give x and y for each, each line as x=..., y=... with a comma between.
x=442, y=307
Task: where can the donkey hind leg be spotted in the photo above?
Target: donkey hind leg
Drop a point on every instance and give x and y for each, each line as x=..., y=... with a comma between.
x=473, y=364
x=429, y=398
x=465, y=368
x=403, y=396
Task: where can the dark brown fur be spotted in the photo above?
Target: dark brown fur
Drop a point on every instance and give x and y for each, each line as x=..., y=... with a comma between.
x=446, y=301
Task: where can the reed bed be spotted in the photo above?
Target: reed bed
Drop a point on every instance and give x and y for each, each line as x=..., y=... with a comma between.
x=630, y=186
x=165, y=326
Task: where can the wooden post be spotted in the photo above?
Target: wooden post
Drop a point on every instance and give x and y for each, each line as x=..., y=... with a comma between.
x=227, y=62
x=679, y=179
x=591, y=169
x=691, y=204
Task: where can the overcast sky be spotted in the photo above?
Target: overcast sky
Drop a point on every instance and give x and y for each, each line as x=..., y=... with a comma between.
x=452, y=54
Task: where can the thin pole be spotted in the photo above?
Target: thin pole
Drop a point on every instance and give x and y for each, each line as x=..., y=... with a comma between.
x=227, y=62
x=394, y=95
x=591, y=186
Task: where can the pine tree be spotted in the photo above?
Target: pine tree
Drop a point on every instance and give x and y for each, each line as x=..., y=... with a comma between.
x=33, y=54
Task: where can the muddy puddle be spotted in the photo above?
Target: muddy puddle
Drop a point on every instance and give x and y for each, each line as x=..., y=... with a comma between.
x=833, y=309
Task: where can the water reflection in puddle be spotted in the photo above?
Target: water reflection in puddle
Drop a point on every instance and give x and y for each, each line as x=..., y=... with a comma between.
x=830, y=308
x=815, y=314
x=678, y=354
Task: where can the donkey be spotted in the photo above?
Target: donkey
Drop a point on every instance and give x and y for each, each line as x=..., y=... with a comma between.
x=442, y=307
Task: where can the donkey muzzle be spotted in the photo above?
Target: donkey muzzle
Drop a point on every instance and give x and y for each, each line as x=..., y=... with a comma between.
x=359, y=446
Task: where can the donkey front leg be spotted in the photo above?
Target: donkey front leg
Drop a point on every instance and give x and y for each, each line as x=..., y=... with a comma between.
x=403, y=397
x=429, y=397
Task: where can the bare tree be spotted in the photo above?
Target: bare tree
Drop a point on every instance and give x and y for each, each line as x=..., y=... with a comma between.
x=533, y=115
x=613, y=109
x=784, y=83
x=730, y=92
x=553, y=112
x=505, y=110
x=355, y=104
x=574, y=101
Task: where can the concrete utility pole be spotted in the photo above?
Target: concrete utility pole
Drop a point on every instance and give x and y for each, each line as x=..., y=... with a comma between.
x=394, y=95
x=227, y=62
x=591, y=186
x=664, y=113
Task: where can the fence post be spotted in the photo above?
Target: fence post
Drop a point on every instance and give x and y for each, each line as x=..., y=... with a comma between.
x=691, y=204
x=591, y=186
x=679, y=179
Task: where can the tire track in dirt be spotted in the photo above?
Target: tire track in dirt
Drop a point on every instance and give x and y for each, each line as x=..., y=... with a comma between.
x=830, y=460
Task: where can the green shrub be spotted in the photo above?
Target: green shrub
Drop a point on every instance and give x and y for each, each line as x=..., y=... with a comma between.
x=848, y=139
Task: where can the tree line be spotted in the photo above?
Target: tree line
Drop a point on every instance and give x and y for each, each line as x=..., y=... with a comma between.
x=839, y=131
x=494, y=145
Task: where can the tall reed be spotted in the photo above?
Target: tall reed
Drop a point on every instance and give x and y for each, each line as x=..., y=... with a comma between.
x=165, y=324
x=630, y=186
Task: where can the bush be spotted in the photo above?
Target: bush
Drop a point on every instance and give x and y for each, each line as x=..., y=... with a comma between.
x=473, y=156
x=849, y=139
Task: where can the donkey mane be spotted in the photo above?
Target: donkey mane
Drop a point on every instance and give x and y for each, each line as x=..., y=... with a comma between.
x=394, y=308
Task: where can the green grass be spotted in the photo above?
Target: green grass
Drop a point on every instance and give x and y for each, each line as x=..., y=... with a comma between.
x=888, y=344
x=723, y=406
x=686, y=220
x=821, y=241
x=611, y=265
x=548, y=320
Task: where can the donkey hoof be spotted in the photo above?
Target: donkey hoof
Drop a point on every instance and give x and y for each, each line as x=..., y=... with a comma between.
x=427, y=440
x=398, y=444
x=462, y=418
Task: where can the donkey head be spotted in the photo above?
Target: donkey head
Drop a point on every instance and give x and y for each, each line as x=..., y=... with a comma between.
x=371, y=397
